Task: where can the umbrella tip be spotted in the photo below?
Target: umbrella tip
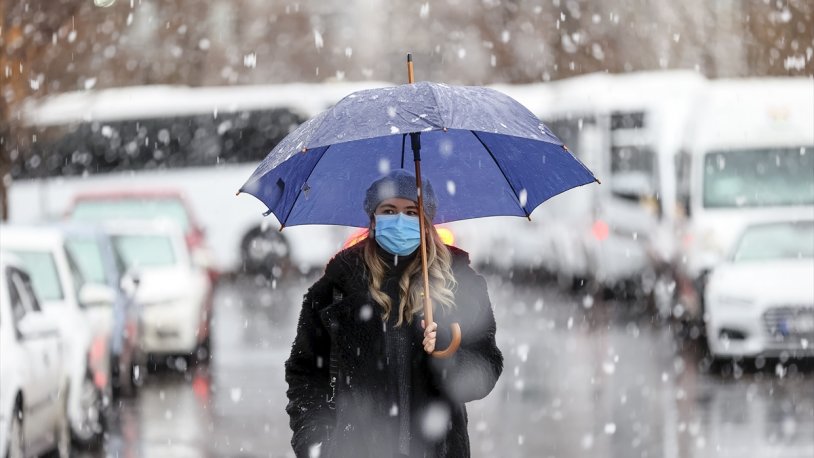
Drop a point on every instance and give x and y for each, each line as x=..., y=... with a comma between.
x=238, y=192
x=597, y=180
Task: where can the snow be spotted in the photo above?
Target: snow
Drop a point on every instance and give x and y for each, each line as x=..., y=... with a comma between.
x=434, y=421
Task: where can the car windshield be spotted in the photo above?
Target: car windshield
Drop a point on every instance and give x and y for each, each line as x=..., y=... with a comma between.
x=88, y=256
x=767, y=242
x=759, y=178
x=131, y=208
x=42, y=269
x=144, y=251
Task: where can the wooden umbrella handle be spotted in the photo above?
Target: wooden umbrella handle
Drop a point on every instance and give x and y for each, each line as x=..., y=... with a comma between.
x=453, y=346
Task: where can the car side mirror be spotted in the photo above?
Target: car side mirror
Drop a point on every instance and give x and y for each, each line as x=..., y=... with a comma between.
x=95, y=295
x=130, y=282
x=34, y=325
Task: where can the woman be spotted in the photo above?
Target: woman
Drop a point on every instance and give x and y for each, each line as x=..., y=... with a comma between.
x=361, y=379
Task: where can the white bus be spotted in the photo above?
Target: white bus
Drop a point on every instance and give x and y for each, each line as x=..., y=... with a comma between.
x=201, y=142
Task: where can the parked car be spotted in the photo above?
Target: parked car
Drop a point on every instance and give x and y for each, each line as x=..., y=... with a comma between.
x=33, y=416
x=173, y=290
x=92, y=249
x=83, y=311
x=761, y=300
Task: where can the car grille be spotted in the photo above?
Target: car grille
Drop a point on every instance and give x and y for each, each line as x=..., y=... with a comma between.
x=790, y=324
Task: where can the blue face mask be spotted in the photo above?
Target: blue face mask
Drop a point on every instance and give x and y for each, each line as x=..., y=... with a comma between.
x=398, y=234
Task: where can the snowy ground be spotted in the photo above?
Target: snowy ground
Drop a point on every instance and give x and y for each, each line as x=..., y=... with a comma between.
x=581, y=379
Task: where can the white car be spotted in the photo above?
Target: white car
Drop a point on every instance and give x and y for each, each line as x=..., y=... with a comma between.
x=761, y=301
x=32, y=378
x=171, y=288
x=84, y=314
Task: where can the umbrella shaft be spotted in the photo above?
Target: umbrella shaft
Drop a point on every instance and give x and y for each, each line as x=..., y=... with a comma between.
x=422, y=223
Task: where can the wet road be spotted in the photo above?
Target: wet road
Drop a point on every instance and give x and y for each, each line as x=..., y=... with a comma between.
x=581, y=379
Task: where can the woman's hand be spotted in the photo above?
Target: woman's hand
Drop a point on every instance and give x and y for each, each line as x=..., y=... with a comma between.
x=429, y=336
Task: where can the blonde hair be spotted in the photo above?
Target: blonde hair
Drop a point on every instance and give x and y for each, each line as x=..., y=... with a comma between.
x=411, y=283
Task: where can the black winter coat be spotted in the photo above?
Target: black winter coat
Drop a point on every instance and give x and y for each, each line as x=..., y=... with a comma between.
x=335, y=374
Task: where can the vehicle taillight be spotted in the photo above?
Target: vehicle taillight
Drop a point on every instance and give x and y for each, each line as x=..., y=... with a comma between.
x=600, y=230
x=194, y=239
x=200, y=386
x=96, y=360
x=446, y=235
x=355, y=238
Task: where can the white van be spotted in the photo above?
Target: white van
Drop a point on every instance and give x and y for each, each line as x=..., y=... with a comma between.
x=749, y=159
x=628, y=130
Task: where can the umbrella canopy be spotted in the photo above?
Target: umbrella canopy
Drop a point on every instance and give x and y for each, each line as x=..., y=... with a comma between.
x=485, y=154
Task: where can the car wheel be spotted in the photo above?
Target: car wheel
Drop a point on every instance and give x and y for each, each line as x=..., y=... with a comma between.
x=203, y=354
x=89, y=431
x=16, y=446
x=265, y=252
x=127, y=382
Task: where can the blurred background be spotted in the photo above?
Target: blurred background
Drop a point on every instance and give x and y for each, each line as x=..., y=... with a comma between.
x=668, y=312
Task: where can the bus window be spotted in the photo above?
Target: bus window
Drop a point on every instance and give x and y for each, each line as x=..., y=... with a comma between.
x=634, y=176
x=633, y=172
x=154, y=143
x=569, y=130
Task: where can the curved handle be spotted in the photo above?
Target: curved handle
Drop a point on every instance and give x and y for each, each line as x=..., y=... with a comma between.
x=453, y=346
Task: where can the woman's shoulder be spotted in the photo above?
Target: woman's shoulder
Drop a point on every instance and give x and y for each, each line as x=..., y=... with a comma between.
x=345, y=261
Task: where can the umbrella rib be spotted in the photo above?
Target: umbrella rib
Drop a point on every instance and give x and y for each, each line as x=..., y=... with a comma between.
x=501, y=170
x=438, y=107
x=282, y=223
x=403, y=141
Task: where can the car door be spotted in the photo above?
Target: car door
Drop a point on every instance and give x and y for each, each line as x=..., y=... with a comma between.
x=41, y=346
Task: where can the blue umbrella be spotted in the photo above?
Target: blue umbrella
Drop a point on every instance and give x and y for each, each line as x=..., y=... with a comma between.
x=484, y=152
